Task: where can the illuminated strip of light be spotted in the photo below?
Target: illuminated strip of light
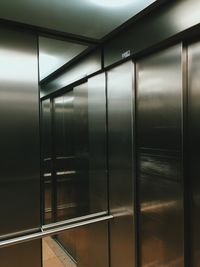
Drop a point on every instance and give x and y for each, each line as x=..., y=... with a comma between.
x=47, y=174
x=65, y=173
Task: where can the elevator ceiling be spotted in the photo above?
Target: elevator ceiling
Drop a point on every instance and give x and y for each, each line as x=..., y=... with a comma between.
x=87, y=18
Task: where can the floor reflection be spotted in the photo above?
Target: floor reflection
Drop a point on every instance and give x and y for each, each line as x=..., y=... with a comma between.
x=54, y=255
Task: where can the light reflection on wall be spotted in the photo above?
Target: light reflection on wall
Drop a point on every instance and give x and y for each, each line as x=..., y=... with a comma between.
x=12, y=66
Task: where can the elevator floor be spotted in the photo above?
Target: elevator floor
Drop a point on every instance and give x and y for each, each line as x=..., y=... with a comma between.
x=54, y=256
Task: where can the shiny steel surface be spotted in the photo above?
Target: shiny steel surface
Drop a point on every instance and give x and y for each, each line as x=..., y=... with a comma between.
x=159, y=120
x=81, y=148
x=92, y=245
x=50, y=232
x=22, y=255
x=170, y=19
x=55, y=53
x=121, y=169
x=46, y=163
x=86, y=66
x=74, y=191
x=97, y=143
x=77, y=219
x=19, y=127
x=194, y=146
x=65, y=172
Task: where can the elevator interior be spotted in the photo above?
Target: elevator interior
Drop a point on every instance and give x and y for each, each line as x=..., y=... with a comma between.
x=103, y=159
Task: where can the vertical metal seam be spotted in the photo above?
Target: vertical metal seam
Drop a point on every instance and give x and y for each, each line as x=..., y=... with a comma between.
x=40, y=152
x=185, y=153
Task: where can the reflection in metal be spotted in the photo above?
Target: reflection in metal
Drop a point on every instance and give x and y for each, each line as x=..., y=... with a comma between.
x=55, y=53
x=159, y=120
x=19, y=127
x=171, y=19
x=86, y=66
x=22, y=255
x=78, y=149
x=194, y=147
x=121, y=167
x=19, y=142
x=50, y=232
x=97, y=143
x=46, y=163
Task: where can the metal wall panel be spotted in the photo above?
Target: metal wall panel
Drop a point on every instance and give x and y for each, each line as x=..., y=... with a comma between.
x=23, y=255
x=164, y=22
x=121, y=169
x=86, y=66
x=81, y=147
x=194, y=146
x=97, y=143
x=46, y=164
x=159, y=120
x=92, y=245
x=19, y=127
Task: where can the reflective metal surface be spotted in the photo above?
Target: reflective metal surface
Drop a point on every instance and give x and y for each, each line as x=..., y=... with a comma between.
x=77, y=174
x=51, y=231
x=46, y=164
x=88, y=245
x=64, y=172
x=159, y=120
x=55, y=53
x=86, y=66
x=165, y=22
x=22, y=255
x=121, y=169
x=73, y=16
x=19, y=127
x=194, y=146
x=97, y=143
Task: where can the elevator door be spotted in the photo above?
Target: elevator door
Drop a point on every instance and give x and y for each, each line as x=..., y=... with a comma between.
x=121, y=164
x=159, y=164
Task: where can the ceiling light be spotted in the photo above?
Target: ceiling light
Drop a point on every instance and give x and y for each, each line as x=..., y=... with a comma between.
x=111, y=3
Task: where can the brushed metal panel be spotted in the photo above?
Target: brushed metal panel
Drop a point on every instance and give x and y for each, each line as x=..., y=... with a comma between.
x=55, y=53
x=165, y=22
x=46, y=164
x=97, y=143
x=159, y=120
x=65, y=171
x=71, y=146
x=19, y=127
x=24, y=255
x=86, y=66
x=81, y=147
x=87, y=245
x=121, y=169
x=92, y=245
x=194, y=145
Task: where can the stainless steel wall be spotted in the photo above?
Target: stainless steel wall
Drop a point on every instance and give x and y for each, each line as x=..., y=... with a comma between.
x=19, y=127
x=159, y=132
x=22, y=255
x=46, y=158
x=121, y=167
x=194, y=147
x=97, y=143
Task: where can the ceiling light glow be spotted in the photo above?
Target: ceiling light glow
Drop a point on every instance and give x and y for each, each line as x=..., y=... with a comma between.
x=111, y=3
